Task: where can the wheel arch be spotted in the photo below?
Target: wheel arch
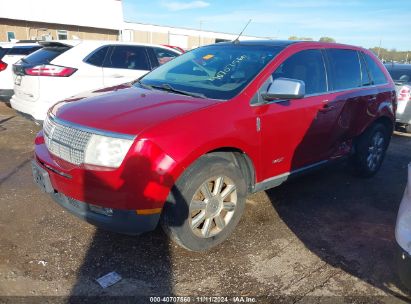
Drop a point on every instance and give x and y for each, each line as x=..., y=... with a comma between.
x=387, y=122
x=240, y=159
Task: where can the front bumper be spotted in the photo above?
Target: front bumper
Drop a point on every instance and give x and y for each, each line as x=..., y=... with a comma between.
x=120, y=221
x=117, y=220
x=404, y=267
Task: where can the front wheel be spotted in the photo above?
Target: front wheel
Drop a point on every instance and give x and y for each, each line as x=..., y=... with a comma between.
x=370, y=150
x=206, y=204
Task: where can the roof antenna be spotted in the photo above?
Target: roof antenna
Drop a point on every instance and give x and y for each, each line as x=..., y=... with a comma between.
x=237, y=39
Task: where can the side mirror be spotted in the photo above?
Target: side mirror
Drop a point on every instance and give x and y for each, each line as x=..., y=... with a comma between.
x=285, y=88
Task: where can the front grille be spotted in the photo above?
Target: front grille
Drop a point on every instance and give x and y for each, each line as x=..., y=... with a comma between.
x=65, y=142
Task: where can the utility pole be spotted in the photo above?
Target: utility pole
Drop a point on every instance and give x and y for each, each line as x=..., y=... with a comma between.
x=379, y=49
x=199, y=36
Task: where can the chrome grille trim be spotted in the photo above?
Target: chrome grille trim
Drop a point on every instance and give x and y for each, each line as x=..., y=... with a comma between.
x=69, y=141
x=65, y=142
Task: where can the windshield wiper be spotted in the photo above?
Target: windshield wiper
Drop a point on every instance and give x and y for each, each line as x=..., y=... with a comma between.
x=169, y=88
x=145, y=86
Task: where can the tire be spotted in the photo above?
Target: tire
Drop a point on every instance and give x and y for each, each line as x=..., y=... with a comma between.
x=370, y=150
x=407, y=128
x=198, y=219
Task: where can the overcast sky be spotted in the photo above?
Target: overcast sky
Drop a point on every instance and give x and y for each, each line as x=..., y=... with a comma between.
x=359, y=22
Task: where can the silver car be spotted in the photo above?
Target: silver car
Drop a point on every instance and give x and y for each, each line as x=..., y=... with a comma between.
x=401, y=74
x=403, y=235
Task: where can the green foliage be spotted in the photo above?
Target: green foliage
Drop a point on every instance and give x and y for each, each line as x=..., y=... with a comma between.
x=327, y=39
x=382, y=53
x=300, y=38
x=391, y=55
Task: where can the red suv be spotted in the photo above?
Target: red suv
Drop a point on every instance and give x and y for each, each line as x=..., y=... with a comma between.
x=186, y=143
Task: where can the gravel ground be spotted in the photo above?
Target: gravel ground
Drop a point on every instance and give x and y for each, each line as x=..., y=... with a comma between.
x=325, y=237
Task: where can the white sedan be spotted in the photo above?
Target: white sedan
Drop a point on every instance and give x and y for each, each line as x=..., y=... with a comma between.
x=62, y=69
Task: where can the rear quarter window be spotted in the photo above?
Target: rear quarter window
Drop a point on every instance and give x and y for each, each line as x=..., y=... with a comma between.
x=97, y=57
x=164, y=55
x=376, y=73
x=345, y=69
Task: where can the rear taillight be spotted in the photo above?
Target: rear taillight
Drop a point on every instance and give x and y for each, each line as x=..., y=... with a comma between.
x=404, y=94
x=50, y=70
x=3, y=66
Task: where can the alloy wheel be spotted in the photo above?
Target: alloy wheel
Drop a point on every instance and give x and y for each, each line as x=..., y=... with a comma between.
x=212, y=206
x=375, y=151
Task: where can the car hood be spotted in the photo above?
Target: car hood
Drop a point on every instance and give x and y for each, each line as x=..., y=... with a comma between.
x=126, y=109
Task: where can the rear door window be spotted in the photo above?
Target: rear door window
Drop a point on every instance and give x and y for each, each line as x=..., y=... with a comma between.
x=377, y=75
x=45, y=55
x=128, y=57
x=307, y=66
x=97, y=57
x=345, y=69
x=164, y=55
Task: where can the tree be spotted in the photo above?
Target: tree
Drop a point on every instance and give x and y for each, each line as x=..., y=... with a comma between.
x=300, y=38
x=327, y=39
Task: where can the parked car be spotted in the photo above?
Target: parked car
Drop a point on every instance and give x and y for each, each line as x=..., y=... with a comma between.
x=176, y=48
x=403, y=235
x=10, y=53
x=401, y=74
x=186, y=143
x=62, y=69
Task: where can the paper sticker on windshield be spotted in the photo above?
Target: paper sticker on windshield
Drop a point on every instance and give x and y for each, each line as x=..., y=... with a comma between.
x=209, y=56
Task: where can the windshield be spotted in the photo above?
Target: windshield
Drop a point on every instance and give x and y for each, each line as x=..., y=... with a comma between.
x=401, y=75
x=216, y=71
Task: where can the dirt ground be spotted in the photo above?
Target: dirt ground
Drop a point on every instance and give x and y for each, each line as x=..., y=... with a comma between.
x=325, y=237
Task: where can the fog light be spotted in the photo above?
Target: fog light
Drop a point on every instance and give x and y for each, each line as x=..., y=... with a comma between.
x=101, y=210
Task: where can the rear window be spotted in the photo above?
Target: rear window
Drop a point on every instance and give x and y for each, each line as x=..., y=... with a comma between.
x=45, y=55
x=377, y=75
x=400, y=75
x=3, y=51
x=23, y=50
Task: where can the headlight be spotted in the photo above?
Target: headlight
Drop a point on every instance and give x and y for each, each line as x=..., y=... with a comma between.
x=106, y=151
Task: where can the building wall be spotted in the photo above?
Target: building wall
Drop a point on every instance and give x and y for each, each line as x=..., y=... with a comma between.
x=28, y=30
x=164, y=38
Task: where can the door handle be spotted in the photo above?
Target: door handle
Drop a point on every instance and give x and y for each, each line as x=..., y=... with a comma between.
x=373, y=98
x=326, y=108
x=117, y=76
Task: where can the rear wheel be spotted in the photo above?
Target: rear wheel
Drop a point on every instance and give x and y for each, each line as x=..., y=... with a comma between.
x=206, y=204
x=370, y=150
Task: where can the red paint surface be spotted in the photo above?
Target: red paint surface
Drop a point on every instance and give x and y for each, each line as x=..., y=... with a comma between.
x=174, y=130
